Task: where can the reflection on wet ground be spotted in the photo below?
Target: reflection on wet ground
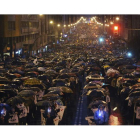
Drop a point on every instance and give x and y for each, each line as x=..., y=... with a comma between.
x=116, y=117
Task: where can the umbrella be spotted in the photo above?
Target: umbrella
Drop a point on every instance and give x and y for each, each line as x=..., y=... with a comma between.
x=63, y=76
x=50, y=96
x=41, y=69
x=32, y=88
x=134, y=94
x=9, y=92
x=91, y=86
x=112, y=71
x=15, y=100
x=97, y=103
x=95, y=77
x=66, y=89
x=32, y=81
x=55, y=89
x=4, y=80
x=55, y=92
x=64, y=71
x=51, y=72
x=29, y=100
x=96, y=93
x=59, y=82
x=26, y=93
x=45, y=103
x=44, y=77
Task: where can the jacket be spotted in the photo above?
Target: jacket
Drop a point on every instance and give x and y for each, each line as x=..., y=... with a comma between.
x=101, y=119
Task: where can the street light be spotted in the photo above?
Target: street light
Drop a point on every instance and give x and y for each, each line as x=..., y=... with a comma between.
x=117, y=18
x=111, y=22
x=51, y=22
x=64, y=25
x=68, y=25
x=58, y=25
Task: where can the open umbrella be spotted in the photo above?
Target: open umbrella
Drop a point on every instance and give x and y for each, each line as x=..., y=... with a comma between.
x=64, y=71
x=26, y=93
x=55, y=89
x=59, y=82
x=92, y=86
x=63, y=76
x=66, y=89
x=41, y=69
x=55, y=92
x=95, y=93
x=15, y=100
x=134, y=94
x=97, y=103
x=44, y=103
x=50, y=96
x=32, y=81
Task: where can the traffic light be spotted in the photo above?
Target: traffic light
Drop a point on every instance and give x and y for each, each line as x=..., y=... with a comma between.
x=116, y=30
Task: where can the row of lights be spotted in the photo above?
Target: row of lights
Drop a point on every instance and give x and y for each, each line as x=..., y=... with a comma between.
x=94, y=18
x=84, y=19
x=58, y=25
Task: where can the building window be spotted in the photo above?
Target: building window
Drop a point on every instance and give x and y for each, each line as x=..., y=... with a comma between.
x=11, y=25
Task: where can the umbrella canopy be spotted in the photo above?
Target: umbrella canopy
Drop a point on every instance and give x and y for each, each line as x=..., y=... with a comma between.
x=66, y=89
x=41, y=69
x=134, y=94
x=15, y=100
x=96, y=93
x=96, y=77
x=97, y=103
x=51, y=72
x=55, y=89
x=112, y=71
x=55, y=92
x=63, y=76
x=50, y=96
x=26, y=93
x=92, y=85
x=44, y=103
x=44, y=77
x=64, y=71
x=32, y=81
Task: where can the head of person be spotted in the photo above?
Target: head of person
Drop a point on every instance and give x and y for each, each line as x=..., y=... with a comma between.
x=101, y=107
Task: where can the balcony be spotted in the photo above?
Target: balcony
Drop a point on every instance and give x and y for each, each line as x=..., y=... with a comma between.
x=30, y=30
x=29, y=18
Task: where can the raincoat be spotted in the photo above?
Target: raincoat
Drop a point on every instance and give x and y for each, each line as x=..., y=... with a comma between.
x=102, y=118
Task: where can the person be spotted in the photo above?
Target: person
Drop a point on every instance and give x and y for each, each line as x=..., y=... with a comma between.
x=49, y=114
x=101, y=116
x=13, y=117
x=22, y=113
x=107, y=94
x=4, y=116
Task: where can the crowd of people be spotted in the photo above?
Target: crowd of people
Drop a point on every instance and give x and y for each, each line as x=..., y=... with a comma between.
x=45, y=90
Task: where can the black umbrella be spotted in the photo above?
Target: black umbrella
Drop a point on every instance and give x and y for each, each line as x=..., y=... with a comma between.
x=44, y=103
x=134, y=94
x=97, y=103
x=26, y=93
x=15, y=100
x=50, y=96
x=95, y=93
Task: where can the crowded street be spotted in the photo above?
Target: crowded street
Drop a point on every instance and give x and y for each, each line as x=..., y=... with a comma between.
x=89, y=78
